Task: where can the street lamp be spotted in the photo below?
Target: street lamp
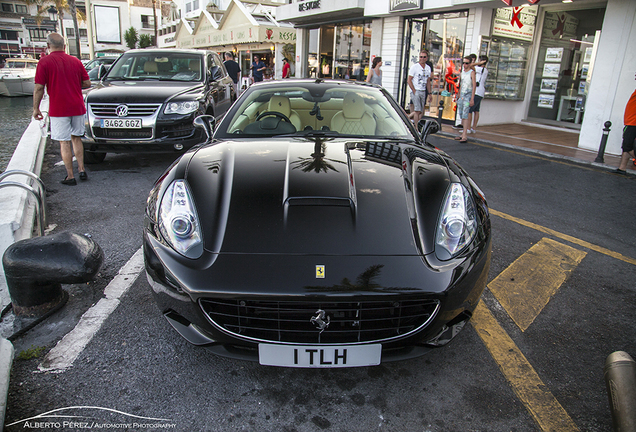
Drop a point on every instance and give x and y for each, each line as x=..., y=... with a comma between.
x=52, y=13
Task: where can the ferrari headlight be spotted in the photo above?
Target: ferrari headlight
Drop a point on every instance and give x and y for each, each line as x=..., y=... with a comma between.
x=181, y=107
x=458, y=222
x=178, y=220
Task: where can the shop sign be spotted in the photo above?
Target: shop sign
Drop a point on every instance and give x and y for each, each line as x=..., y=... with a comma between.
x=308, y=5
x=515, y=22
x=238, y=36
x=402, y=5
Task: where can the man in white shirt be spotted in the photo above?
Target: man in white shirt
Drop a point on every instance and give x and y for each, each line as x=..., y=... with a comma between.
x=420, y=83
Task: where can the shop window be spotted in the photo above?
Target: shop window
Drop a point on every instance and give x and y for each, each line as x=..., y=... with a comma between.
x=443, y=36
x=352, y=45
x=320, y=52
x=313, y=51
x=565, y=65
x=507, y=67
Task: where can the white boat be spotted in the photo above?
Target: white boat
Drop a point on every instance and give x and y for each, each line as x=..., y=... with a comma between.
x=16, y=77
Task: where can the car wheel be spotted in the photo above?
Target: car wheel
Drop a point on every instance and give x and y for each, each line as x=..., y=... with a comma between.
x=94, y=158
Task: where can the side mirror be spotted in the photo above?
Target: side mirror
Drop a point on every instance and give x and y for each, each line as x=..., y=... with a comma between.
x=427, y=127
x=207, y=123
x=101, y=72
x=215, y=74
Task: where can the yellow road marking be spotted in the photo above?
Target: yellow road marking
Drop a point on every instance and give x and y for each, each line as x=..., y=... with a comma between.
x=532, y=392
x=566, y=237
x=527, y=285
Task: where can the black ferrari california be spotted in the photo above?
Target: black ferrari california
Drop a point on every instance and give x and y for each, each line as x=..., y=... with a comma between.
x=317, y=228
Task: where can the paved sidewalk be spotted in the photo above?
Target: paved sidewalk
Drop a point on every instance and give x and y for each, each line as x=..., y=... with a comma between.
x=548, y=141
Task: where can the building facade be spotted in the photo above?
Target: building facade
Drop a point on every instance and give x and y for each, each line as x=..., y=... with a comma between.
x=24, y=27
x=562, y=64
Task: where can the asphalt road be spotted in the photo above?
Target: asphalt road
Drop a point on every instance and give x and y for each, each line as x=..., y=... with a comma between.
x=136, y=364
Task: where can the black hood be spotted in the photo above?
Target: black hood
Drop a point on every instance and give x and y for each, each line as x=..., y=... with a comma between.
x=141, y=91
x=315, y=196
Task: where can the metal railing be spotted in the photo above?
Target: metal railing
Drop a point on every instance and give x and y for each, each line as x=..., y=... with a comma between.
x=40, y=194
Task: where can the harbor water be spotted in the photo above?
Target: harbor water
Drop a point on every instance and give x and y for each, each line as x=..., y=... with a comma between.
x=15, y=116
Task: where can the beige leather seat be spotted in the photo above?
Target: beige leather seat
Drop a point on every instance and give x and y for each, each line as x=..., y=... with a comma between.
x=151, y=67
x=354, y=118
x=282, y=105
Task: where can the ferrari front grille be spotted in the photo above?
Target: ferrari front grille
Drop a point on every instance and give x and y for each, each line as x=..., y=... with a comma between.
x=300, y=322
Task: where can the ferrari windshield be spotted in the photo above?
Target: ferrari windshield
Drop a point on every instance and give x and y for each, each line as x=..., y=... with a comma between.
x=309, y=108
x=153, y=66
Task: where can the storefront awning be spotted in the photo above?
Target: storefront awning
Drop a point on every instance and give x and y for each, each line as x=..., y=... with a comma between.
x=237, y=27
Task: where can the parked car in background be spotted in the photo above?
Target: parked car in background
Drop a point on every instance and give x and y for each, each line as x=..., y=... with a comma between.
x=149, y=98
x=94, y=74
x=317, y=228
x=105, y=60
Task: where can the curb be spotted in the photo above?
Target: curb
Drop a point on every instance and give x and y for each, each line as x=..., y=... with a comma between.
x=16, y=223
x=6, y=360
x=541, y=153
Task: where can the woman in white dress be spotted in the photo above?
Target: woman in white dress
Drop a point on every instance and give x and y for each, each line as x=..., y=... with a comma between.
x=375, y=74
x=466, y=96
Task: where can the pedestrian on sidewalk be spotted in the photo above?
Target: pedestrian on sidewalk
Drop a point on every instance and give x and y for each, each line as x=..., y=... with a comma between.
x=629, y=134
x=481, y=75
x=286, y=68
x=420, y=84
x=232, y=68
x=64, y=77
x=375, y=73
x=466, y=96
x=257, y=69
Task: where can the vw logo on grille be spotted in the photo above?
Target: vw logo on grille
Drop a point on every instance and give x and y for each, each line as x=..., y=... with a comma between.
x=319, y=320
x=121, y=111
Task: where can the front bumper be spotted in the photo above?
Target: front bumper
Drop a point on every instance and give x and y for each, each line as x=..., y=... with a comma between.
x=156, y=135
x=179, y=292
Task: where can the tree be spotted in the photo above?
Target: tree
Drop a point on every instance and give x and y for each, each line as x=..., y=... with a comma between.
x=131, y=37
x=145, y=41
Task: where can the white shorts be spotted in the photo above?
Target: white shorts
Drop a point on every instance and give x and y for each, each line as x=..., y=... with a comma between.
x=419, y=100
x=63, y=127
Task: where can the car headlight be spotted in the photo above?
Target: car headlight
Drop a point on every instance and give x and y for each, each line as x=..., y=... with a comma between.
x=181, y=107
x=178, y=220
x=457, y=225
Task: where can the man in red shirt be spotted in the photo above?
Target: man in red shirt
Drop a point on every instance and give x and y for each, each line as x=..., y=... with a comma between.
x=286, y=68
x=629, y=133
x=64, y=77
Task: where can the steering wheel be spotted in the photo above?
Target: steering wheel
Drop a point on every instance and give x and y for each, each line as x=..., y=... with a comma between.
x=275, y=114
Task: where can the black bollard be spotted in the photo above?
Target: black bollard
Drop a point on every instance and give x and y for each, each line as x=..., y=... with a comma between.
x=620, y=379
x=35, y=269
x=440, y=111
x=601, y=150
